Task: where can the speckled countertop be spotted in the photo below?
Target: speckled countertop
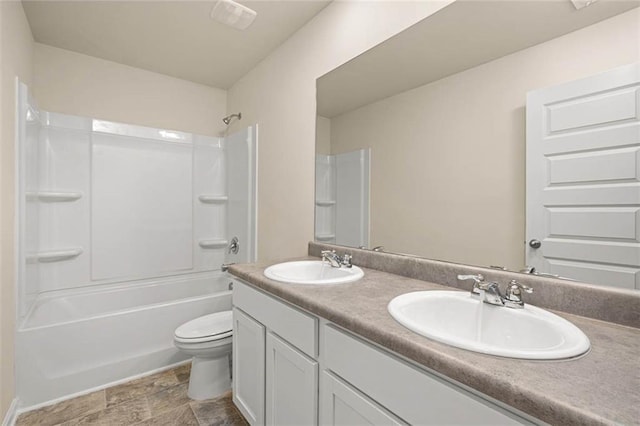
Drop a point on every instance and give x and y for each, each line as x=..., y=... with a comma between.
x=602, y=387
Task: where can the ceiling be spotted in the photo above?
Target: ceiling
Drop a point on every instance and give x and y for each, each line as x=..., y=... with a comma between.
x=463, y=35
x=176, y=38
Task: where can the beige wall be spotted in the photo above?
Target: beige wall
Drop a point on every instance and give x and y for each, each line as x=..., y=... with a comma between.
x=456, y=147
x=73, y=83
x=323, y=135
x=279, y=95
x=16, y=53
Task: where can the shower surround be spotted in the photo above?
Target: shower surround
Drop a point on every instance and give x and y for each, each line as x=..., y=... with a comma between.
x=122, y=231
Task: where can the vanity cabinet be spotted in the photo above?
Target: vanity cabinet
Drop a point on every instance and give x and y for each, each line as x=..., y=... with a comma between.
x=292, y=368
x=283, y=369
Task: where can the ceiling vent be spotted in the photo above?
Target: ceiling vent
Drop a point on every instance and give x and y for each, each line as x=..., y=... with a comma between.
x=579, y=4
x=233, y=14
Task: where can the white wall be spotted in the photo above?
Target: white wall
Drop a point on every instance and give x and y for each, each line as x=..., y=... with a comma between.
x=16, y=54
x=72, y=83
x=279, y=94
x=456, y=147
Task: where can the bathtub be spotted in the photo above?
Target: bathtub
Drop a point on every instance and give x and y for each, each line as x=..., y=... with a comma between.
x=73, y=342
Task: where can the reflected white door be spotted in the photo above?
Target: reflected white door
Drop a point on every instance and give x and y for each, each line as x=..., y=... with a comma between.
x=583, y=179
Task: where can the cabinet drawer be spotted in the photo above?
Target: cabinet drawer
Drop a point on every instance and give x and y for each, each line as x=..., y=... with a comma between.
x=412, y=394
x=342, y=405
x=296, y=327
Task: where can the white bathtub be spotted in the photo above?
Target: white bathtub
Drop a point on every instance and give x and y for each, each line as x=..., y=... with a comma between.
x=70, y=343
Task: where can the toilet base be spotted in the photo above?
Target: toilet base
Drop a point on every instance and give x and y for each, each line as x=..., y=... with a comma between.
x=210, y=377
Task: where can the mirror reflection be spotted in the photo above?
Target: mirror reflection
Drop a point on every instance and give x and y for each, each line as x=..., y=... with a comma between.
x=429, y=145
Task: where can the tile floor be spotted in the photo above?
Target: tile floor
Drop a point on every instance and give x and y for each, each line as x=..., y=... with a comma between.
x=159, y=399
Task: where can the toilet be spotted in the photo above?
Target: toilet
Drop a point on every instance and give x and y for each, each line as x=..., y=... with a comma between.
x=208, y=340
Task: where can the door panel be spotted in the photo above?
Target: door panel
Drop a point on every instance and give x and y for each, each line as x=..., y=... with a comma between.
x=619, y=276
x=603, y=108
x=601, y=165
x=596, y=222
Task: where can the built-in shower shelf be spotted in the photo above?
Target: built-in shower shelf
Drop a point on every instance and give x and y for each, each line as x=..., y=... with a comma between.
x=213, y=243
x=325, y=237
x=213, y=199
x=54, y=197
x=325, y=203
x=55, y=255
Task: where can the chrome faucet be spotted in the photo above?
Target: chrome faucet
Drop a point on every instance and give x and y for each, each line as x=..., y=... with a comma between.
x=335, y=260
x=489, y=292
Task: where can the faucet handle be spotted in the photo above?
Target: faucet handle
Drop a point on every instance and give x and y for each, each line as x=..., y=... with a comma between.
x=514, y=285
x=478, y=282
x=326, y=254
x=477, y=279
x=513, y=293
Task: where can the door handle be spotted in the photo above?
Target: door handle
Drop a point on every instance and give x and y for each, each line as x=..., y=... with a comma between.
x=535, y=244
x=234, y=246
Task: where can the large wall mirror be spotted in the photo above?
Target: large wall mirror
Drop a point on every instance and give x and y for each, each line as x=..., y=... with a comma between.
x=421, y=142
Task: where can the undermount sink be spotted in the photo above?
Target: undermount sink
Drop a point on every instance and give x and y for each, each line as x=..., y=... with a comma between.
x=312, y=272
x=457, y=319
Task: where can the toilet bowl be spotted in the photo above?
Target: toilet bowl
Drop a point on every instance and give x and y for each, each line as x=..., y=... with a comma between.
x=208, y=340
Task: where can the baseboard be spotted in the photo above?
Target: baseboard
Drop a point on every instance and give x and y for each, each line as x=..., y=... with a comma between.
x=11, y=416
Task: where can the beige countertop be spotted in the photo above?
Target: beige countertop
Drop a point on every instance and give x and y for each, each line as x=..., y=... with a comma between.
x=601, y=387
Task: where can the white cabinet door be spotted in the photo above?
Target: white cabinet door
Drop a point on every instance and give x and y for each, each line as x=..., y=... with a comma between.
x=583, y=179
x=248, y=367
x=292, y=385
x=342, y=405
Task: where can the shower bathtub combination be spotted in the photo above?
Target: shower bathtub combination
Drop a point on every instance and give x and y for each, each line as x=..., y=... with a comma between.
x=122, y=231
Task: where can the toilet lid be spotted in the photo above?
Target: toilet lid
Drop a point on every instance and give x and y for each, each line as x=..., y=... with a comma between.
x=219, y=324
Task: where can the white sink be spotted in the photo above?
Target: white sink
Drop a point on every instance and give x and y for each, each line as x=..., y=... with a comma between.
x=312, y=272
x=457, y=319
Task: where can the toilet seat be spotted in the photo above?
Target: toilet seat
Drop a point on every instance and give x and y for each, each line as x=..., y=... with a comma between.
x=207, y=328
